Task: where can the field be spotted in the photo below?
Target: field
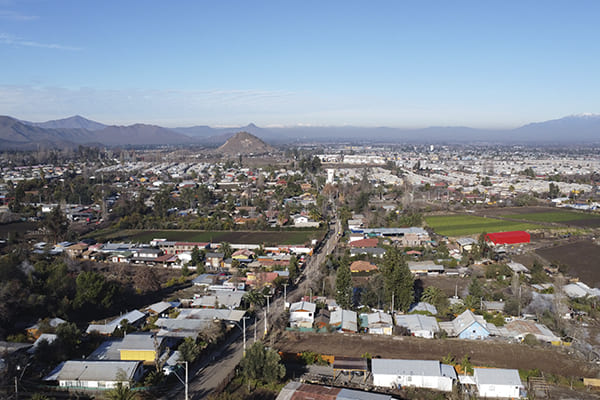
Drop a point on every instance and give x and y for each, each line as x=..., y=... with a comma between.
x=463, y=225
x=546, y=215
x=581, y=257
x=235, y=237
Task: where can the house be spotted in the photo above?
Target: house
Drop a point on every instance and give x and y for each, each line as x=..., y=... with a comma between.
x=353, y=237
x=161, y=308
x=301, y=221
x=35, y=330
x=205, y=280
x=418, y=325
x=520, y=328
x=498, y=383
x=322, y=319
x=214, y=260
x=362, y=266
x=97, y=375
x=467, y=326
x=415, y=373
x=344, y=321
x=370, y=251
x=465, y=244
x=380, y=323
x=425, y=268
x=302, y=314
x=362, y=243
x=140, y=346
x=146, y=254
x=48, y=337
x=135, y=318
x=224, y=298
x=493, y=306
x=76, y=250
x=517, y=267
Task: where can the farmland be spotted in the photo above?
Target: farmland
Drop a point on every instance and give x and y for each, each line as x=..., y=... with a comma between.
x=460, y=225
x=235, y=237
x=557, y=216
x=581, y=257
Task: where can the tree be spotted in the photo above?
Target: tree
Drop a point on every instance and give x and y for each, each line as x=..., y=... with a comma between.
x=343, y=286
x=293, y=268
x=262, y=365
x=57, y=224
x=398, y=280
x=196, y=256
x=95, y=292
x=226, y=249
x=435, y=296
x=189, y=350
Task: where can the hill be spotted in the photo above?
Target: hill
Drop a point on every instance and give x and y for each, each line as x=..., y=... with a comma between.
x=245, y=143
x=16, y=135
x=139, y=135
x=74, y=122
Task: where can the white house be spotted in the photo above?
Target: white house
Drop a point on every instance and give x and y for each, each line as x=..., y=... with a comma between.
x=497, y=382
x=416, y=373
x=96, y=374
x=302, y=314
x=419, y=325
x=380, y=323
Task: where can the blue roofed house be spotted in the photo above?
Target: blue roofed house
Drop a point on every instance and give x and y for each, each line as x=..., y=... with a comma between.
x=467, y=326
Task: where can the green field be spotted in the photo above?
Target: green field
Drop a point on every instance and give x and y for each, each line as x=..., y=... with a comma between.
x=553, y=216
x=235, y=237
x=461, y=225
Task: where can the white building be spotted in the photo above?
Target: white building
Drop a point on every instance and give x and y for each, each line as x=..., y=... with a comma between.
x=96, y=374
x=302, y=314
x=419, y=325
x=416, y=373
x=497, y=382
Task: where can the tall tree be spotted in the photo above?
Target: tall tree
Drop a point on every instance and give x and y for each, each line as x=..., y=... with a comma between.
x=343, y=285
x=57, y=224
x=189, y=350
x=398, y=280
x=262, y=365
x=293, y=268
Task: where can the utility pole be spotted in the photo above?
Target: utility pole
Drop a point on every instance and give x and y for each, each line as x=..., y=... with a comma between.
x=16, y=388
x=268, y=297
x=186, y=382
x=285, y=285
x=393, y=303
x=244, y=332
x=265, y=323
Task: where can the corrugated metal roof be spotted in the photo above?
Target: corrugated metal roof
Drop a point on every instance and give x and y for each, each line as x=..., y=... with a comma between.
x=385, y=366
x=497, y=376
x=94, y=371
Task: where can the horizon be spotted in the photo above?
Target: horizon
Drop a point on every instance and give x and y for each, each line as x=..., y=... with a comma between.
x=403, y=65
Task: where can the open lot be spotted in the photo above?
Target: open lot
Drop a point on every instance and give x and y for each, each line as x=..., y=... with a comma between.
x=581, y=257
x=464, y=225
x=236, y=237
x=482, y=353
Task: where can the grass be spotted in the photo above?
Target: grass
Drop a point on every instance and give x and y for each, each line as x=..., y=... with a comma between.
x=553, y=216
x=237, y=237
x=460, y=225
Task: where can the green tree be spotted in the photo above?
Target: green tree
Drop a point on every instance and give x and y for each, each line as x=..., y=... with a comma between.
x=57, y=224
x=189, y=350
x=226, y=249
x=262, y=365
x=398, y=280
x=196, y=256
x=293, y=269
x=435, y=296
x=343, y=285
x=94, y=291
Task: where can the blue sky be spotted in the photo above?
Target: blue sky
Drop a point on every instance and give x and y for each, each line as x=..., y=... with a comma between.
x=368, y=63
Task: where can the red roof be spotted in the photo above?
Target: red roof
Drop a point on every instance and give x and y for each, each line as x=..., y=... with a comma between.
x=511, y=237
x=365, y=243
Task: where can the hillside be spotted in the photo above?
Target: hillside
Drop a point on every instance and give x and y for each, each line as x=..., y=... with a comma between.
x=16, y=135
x=139, y=135
x=245, y=143
x=74, y=122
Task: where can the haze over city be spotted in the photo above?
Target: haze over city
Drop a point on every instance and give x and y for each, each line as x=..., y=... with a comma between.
x=398, y=64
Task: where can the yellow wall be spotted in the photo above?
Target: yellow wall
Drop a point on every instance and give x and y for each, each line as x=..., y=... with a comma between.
x=137, y=355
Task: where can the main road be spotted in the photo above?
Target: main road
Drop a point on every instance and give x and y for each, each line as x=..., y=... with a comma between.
x=209, y=374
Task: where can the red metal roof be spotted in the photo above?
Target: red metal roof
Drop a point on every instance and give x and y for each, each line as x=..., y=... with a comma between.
x=511, y=237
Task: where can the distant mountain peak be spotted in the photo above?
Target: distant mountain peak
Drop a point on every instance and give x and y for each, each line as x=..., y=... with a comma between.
x=74, y=122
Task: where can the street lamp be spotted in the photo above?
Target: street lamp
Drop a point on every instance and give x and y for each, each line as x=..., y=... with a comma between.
x=186, y=378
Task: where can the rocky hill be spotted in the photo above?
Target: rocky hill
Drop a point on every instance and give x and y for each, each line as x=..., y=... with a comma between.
x=246, y=144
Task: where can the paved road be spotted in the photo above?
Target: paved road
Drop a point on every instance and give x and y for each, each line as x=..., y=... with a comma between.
x=209, y=373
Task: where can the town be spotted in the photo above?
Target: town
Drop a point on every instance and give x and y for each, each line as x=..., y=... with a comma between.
x=341, y=271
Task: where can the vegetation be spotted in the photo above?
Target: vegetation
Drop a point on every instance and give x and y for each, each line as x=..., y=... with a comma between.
x=343, y=285
x=398, y=280
x=262, y=365
x=459, y=225
x=189, y=350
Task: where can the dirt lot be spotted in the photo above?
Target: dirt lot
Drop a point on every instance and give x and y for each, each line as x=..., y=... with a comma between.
x=498, y=212
x=581, y=257
x=482, y=353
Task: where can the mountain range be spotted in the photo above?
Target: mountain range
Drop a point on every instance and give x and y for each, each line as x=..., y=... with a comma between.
x=23, y=135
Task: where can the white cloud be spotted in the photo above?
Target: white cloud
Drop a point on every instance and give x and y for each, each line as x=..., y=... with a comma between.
x=16, y=16
x=17, y=41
